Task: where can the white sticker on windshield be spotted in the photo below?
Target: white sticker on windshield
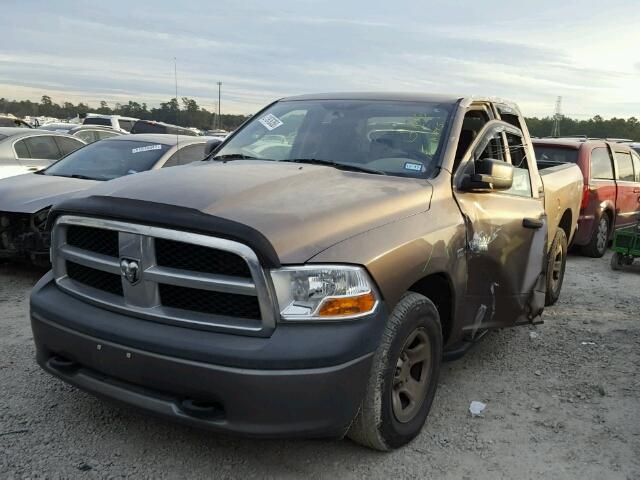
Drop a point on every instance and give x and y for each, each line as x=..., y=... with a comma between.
x=146, y=149
x=270, y=121
x=416, y=167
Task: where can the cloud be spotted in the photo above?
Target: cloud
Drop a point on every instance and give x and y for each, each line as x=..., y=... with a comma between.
x=263, y=51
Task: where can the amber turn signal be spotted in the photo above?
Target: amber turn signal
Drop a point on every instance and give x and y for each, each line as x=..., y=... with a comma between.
x=344, y=306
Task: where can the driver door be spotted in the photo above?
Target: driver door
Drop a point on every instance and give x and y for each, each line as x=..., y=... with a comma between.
x=506, y=236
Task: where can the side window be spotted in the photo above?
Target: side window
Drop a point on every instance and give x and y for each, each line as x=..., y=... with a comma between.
x=88, y=136
x=21, y=149
x=125, y=124
x=43, y=147
x=509, y=115
x=185, y=155
x=601, y=167
x=472, y=123
x=68, y=145
x=625, y=167
x=636, y=165
x=521, y=177
x=494, y=148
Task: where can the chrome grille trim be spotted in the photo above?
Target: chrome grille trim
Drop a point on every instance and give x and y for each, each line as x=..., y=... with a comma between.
x=142, y=299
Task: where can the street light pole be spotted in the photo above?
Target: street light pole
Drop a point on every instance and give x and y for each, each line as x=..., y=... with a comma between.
x=219, y=121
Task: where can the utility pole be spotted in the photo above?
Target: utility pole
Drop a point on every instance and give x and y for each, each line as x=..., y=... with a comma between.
x=557, y=116
x=219, y=120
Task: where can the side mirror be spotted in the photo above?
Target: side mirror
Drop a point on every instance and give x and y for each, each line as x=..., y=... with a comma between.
x=490, y=174
x=211, y=146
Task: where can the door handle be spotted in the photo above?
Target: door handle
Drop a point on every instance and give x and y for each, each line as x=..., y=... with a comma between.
x=532, y=223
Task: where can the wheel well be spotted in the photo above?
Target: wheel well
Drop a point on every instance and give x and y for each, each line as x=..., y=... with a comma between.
x=565, y=223
x=609, y=213
x=437, y=288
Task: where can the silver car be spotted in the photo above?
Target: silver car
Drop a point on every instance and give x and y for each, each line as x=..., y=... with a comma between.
x=25, y=200
x=25, y=150
x=86, y=133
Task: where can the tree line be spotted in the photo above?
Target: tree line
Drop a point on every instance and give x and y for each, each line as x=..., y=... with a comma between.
x=186, y=112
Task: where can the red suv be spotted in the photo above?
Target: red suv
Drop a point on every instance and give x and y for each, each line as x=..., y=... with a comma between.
x=611, y=197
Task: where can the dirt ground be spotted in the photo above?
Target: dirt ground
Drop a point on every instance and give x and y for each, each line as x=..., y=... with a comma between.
x=563, y=401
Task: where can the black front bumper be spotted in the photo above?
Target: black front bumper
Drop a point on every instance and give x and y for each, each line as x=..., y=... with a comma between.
x=304, y=380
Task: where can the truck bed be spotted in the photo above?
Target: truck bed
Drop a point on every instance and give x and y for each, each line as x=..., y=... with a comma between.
x=562, y=191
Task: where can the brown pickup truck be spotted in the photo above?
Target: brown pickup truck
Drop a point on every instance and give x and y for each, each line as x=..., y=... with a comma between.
x=308, y=278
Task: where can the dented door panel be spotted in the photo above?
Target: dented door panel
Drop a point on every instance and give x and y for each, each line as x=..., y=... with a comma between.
x=505, y=260
x=506, y=244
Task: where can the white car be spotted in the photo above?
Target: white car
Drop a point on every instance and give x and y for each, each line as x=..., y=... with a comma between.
x=24, y=150
x=122, y=124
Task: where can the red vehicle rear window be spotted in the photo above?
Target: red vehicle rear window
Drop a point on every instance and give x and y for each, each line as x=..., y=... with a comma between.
x=555, y=154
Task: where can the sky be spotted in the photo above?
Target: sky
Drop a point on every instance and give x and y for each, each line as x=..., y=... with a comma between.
x=587, y=52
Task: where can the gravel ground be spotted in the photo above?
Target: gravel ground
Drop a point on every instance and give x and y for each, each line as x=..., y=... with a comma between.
x=563, y=401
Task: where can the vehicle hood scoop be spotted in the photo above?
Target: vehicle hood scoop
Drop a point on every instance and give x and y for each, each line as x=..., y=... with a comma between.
x=300, y=209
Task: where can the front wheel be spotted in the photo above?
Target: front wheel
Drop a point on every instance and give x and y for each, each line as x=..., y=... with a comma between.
x=556, y=263
x=403, y=378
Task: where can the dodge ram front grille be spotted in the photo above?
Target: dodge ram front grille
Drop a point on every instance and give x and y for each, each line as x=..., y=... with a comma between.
x=220, y=303
x=174, y=254
x=107, y=282
x=163, y=275
x=93, y=239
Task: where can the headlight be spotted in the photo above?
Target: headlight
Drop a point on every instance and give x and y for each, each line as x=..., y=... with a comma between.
x=40, y=218
x=323, y=292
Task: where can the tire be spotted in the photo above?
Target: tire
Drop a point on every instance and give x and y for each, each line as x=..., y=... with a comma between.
x=597, y=245
x=616, y=261
x=386, y=418
x=556, y=263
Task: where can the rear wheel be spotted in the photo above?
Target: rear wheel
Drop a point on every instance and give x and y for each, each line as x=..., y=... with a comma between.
x=403, y=378
x=598, y=243
x=556, y=263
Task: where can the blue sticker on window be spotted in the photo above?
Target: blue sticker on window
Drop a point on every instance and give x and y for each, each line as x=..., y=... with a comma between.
x=416, y=167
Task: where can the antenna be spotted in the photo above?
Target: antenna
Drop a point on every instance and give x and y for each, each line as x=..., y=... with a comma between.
x=175, y=76
x=557, y=116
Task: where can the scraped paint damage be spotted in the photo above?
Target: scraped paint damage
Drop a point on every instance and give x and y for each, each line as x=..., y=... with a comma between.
x=484, y=314
x=481, y=241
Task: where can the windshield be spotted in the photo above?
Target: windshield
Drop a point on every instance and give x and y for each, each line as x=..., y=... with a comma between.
x=395, y=138
x=97, y=121
x=109, y=159
x=555, y=154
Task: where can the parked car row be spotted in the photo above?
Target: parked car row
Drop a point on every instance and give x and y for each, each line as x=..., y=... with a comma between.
x=611, y=195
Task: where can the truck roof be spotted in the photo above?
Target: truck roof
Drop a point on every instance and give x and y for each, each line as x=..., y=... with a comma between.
x=394, y=96
x=405, y=97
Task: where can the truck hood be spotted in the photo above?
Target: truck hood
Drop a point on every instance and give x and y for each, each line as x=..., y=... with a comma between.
x=32, y=192
x=301, y=209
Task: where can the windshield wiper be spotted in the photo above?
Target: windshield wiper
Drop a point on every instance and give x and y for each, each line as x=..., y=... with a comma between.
x=75, y=175
x=330, y=163
x=233, y=156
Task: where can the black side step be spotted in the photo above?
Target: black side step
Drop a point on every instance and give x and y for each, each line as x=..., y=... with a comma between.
x=456, y=351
